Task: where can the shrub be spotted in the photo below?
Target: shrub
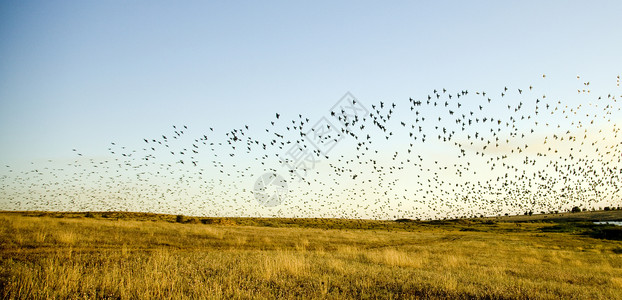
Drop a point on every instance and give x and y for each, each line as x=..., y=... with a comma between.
x=609, y=233
x=179, y=219
x=576, y=209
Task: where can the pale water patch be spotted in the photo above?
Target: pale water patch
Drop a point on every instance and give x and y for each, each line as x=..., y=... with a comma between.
x=617, y=223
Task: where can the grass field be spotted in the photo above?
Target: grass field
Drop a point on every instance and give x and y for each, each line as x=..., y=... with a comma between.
x=135, y=255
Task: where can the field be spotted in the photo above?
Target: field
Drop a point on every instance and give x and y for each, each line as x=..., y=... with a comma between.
x=136, y=256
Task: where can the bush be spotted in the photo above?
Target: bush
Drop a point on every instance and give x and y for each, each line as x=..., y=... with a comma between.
x=609, y=233
x=607, y=208
x=576, y=209
x=179, y=219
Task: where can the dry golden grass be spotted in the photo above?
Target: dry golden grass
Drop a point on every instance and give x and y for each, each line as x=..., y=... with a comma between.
x=61, y=258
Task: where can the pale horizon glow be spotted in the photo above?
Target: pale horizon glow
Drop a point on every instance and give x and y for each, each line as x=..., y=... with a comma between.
x=83, y=75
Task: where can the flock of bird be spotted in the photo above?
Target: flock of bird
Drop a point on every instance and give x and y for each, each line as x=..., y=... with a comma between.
x=445, y=154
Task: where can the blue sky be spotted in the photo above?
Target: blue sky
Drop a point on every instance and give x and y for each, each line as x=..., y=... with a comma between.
x=81, y=74
x=77, y=73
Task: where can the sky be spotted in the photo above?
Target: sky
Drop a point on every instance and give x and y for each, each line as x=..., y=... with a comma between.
x=82, y=74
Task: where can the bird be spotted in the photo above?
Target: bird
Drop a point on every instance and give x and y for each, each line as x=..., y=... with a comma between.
x=444, y=157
